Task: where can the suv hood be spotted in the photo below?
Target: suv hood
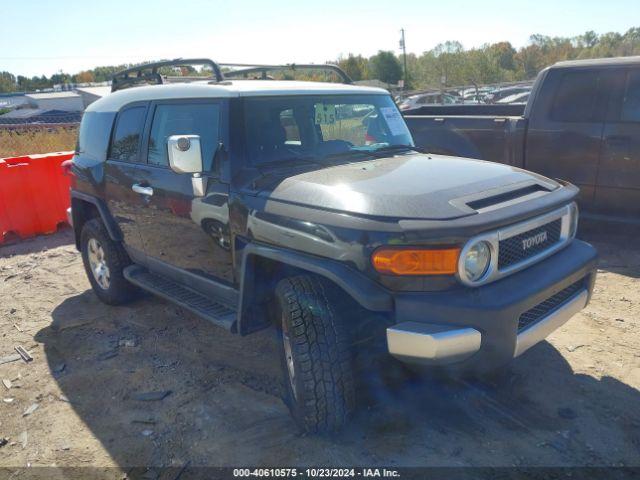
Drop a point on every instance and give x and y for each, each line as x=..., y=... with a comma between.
x=416, y=186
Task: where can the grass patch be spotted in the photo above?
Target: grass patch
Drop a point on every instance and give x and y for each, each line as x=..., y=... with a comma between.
x=33, y=139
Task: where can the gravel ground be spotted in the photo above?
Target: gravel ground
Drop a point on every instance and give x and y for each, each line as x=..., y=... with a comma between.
x=571, y=401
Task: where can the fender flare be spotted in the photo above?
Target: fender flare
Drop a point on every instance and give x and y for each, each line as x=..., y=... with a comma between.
x=105, y=215
x=365, y=291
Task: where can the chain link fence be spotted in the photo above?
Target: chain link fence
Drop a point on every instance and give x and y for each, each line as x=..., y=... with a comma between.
x=28, y=139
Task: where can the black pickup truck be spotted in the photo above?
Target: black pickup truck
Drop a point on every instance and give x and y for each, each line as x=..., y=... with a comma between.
x=581, y=124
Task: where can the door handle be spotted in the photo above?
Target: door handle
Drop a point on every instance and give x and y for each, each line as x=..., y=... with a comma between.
x=148, y=191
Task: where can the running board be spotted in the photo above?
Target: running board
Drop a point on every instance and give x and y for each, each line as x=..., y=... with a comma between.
x=203, y=306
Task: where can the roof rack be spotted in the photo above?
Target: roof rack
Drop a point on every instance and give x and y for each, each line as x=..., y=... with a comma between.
x=251, y=68
x=148, y=74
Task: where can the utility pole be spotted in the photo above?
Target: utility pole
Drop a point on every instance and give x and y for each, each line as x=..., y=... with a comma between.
x=404, y=56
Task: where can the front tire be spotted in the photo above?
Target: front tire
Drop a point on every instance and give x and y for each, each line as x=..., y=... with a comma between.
x=104, y=261
x=315, y=354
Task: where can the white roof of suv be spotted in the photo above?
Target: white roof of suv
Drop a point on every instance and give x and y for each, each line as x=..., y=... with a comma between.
x=227, y=89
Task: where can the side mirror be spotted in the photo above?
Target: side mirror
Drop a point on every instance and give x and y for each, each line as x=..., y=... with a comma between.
x=185, y=155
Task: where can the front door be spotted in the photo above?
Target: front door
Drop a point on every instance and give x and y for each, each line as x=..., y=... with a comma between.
x=618, y=186
x=182, y=231
x=564, y=134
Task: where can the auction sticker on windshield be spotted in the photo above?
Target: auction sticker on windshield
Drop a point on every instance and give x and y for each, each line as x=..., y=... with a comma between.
x=325, y=114
x=394, y=120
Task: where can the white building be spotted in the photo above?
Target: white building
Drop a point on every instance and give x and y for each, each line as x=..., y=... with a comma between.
x=92, y=93
x=13, y=101
x=65, y=101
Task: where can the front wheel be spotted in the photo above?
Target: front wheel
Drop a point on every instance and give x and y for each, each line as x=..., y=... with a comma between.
x=104, y=261
x=315, y=354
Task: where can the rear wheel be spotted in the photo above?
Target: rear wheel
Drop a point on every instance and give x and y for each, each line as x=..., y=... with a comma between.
x=315, y=354
x=104, y=261
x=216, y=230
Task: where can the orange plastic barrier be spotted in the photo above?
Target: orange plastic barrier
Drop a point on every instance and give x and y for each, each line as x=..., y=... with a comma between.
x=34, y=195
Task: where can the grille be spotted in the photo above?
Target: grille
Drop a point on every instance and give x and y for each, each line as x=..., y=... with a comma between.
x=552, y=303
x=512, y=251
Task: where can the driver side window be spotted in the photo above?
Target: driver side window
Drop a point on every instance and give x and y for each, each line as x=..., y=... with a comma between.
x=201, y=119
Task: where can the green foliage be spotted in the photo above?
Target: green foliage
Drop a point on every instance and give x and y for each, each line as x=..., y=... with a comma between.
x=34, y=83
x=385, y=67
x=357, y=67
x=7, y=82
x=449, y=63
x=32, y=139
x=503, y=54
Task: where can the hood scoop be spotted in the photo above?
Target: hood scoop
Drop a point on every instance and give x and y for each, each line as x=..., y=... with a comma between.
x=504, y=197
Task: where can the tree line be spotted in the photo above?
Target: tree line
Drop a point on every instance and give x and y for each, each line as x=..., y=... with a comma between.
x=19, y=83
x=447, y=64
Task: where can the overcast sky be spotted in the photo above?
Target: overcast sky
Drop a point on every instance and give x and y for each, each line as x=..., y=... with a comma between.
x=41, y=37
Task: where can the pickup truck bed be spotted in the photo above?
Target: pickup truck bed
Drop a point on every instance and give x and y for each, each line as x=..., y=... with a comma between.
x=496, y=138
x=505, y=110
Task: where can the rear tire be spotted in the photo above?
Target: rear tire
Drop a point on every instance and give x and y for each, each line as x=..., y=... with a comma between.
x=104, y=261
x=217, y=231
x=315, y=353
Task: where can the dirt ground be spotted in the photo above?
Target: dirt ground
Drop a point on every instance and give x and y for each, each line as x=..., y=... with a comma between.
x=571, y=401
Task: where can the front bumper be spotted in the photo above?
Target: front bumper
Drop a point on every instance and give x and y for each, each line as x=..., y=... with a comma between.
x=479, y=328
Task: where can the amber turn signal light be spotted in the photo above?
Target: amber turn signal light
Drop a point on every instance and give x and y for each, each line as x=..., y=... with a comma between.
x=416, y=261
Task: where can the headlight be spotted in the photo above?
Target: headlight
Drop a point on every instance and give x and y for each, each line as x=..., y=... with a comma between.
x=476, y=261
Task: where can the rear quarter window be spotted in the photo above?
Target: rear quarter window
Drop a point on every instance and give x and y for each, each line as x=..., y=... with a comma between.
x=93, y=139
x=125, y=144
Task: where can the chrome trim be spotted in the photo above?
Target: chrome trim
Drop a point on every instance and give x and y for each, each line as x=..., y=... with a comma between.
x=199, y=185
x=494, y=238
x=142, y=190
x=430, y=344
x=69, y=216
x=543, y=328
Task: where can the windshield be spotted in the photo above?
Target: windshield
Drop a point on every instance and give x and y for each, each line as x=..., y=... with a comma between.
x=317, y=128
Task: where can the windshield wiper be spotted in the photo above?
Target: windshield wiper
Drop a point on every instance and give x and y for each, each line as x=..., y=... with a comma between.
x=394, y=148
x=350, y=153
x=275, y=167
x=294, y=161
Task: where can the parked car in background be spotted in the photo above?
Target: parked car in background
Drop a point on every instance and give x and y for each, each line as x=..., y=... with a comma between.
x=475, y=95
x=521, y=97
x=473, y=98
x=581, y=123
x=431, y=98
x=500, y=93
